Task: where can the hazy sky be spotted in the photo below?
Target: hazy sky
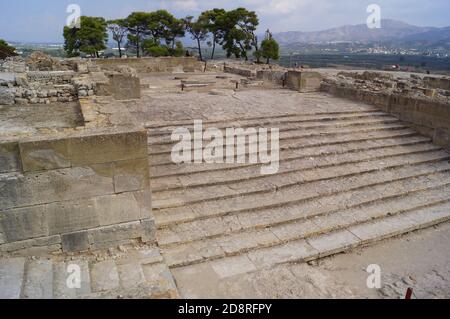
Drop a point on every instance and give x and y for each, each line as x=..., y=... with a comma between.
x=43, y=20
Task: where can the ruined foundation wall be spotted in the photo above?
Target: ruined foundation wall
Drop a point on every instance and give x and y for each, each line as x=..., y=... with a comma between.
x=84, y=192
x=150, y=65
x=430, y=118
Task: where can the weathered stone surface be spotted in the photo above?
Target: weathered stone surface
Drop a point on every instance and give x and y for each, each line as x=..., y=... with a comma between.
x=333, y=243
x=104, y=276
x=67, y=217
x=108, y=148
x=117, y=209
x=233, y=266
x=303, y=81
x=131, y=275
x=39, y=280
x=51, y=244
x=44, y=155
x=9, y=157
x=6, y=96
x=125, y=87
x=56, y=185
x=131, y=175
x=75, y=242
x=24, y=223
x=11, y=277
x=144, y=199
x=115, y=233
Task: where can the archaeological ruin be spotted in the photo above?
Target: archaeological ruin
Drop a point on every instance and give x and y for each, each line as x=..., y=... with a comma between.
x=86, y=174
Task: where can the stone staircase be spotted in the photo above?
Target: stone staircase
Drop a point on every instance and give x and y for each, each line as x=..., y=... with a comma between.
x=138, y=273
x=345, y=179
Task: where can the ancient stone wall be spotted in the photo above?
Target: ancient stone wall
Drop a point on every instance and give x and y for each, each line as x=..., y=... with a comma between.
x=430, y=117
x=303, y=81
x=149, y=65
x=239, y=71
x=275, y=77
x=86, y=191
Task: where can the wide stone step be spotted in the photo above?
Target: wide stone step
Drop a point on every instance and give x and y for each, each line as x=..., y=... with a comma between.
x=163, y=199
x=156, y=144
x=300, y=133
x=156, y=129
x=47, y=278
x=165, y=160
x=315, y=238
x=272, y=206
x=293, y=154
x=287, y=167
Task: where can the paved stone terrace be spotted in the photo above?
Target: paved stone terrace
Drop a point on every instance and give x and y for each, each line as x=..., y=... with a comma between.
x=349, y=176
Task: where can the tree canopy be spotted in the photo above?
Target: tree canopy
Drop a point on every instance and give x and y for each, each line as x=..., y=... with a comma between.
x=90, y=38
x=157, y=33
x=6, y=50
x=270, y=48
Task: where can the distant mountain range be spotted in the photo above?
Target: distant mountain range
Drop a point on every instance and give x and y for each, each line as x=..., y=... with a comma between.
x=391, y=31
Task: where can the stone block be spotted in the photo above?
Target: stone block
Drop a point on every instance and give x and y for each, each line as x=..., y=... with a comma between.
x=232, y=266
x=113, y=234
x=104, y=276
x=73, y=216
x=75, y=242
x=303, y=81
x=442, y=137
x=7, y=96
x=61, y=275
x=57, y=185
x=44, y=155
x=117, y=209
x=149, y=230
x=24, y=223
x=131, y=175
x=12, y=273
x=131, y=275
x=144, y=199
x=39, y=280
x=125, y=87
x=108, y=148
x=51, y=242
x=9, y=157
x=333, y=243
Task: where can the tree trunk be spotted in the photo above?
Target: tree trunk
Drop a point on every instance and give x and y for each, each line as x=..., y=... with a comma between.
x=137, y=44
x=199, y=49
x=120, y=49
x=268, y=60
x=214, y=47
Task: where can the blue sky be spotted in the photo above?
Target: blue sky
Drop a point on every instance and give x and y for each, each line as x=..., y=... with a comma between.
x=43, y=20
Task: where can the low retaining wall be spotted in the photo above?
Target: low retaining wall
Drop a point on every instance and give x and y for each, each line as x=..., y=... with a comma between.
x=239, y=71
x=149, y=65
x=430, y=118
x=275, y=77
x=303, y=82
x=84, y=192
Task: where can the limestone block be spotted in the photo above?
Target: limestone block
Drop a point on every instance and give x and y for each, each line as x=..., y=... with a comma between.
x=67, y=217
x=303, y=81
x=75, y=242
x=108, y=147
x=442, y=137
x=61, y=273
x=149, y=230
x=144, y=199
x=131, y=175
x=44, y=155
x=56, y=185
x=24, y=223
x=39, y=280
x=11, y=277
x=50, y=242
x=125, y=87
x=131, y=275
x=115, y=233
x=7, y=96
x=104, y=276
x=333, y=243
x=9, y=157
x=117, y=209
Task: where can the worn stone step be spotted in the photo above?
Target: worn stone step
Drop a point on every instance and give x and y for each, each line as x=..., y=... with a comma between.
x=254, y=172
x=279, y=205
x=214, y=226
x=309, y=240
x=38, y=280
x=163, y=128
x=156, y=143
x=300, y=133
x=292, y=154
x=251, y=184
x=12, y=271
x=163, y=160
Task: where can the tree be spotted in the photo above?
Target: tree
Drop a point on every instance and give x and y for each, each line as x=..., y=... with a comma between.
x=239, y=28
x=138, y=27
x=118, y=30
x=215, y=25
x=90, y=38
x=270, y=48
x=6, y=50
x=163, y=25
x=198, y=30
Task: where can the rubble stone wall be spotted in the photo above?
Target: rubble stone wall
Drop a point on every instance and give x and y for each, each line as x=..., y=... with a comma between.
x=430, y=118
x=84, y=192
x=151, y=65
x=239, y=71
